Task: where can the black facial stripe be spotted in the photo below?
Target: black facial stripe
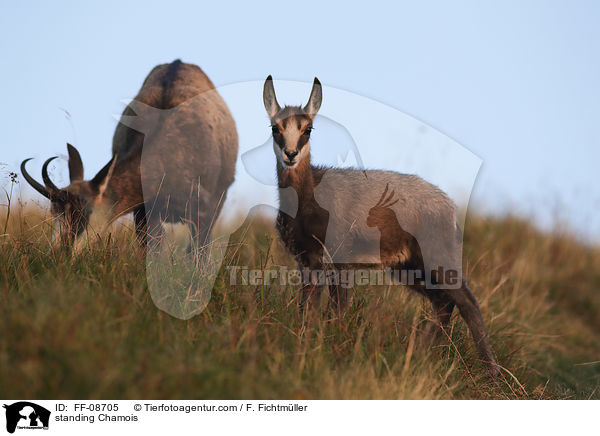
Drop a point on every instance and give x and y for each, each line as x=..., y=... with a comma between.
x=302, y=141
x=279, y=140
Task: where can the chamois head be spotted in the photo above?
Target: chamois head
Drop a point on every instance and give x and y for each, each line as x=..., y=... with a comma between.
x=382, y=214
x=72, y=206
x=291, y=125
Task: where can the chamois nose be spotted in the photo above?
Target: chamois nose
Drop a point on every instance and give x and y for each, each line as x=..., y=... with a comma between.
x=291, y=154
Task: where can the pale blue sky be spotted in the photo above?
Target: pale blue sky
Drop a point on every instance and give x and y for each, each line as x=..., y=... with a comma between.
x=517, y=83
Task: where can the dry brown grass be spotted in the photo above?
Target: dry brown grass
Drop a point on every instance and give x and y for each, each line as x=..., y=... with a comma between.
x=84, y=326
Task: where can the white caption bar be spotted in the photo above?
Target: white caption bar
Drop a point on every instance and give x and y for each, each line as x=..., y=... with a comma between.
x=245, y=417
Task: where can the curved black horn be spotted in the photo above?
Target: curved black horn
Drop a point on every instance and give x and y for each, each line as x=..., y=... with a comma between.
x=75, y=164
x=34, y=183
x=49, y=184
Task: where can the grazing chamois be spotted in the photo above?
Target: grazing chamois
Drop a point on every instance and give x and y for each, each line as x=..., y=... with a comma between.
x=174, y=155
x=336, y=223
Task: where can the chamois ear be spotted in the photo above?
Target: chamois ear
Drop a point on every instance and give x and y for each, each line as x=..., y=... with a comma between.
x=269, y=98
x=75, y=164
x=314, y=102
x=100, y=180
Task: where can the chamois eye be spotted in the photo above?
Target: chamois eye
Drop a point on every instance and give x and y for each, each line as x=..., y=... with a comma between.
x=307, y=131
x=275, y=130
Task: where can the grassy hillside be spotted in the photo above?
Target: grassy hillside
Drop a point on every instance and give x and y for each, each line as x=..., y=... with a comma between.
x=85, y=327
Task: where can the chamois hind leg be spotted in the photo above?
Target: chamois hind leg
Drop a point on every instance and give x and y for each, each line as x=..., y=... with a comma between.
x=443, y=307
x=154, y=232
x=338, y=296
x=200, y=230
x=469, y=310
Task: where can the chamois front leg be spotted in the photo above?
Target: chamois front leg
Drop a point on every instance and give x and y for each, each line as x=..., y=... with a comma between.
x=311, y=297
x=443, y=307
x=141, y=230
x=311, y=291
x=469, y=309
x=310, y=262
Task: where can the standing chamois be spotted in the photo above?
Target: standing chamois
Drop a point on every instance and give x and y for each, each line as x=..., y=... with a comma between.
x=174, y=155
x=340, y=224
